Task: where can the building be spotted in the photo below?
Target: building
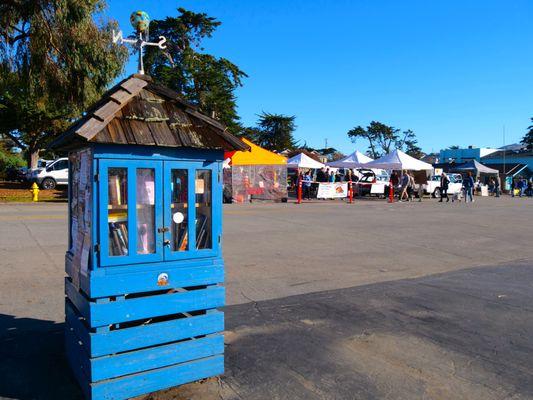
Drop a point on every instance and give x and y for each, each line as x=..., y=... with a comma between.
x=513, y=163
x=466, y=154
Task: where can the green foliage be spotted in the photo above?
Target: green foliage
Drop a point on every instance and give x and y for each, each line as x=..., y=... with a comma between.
x=528, y=137
x=454, y=147
x=9, y=160
x=275, y=132
x=55, y=61
x=203, y=79
x=382, y=139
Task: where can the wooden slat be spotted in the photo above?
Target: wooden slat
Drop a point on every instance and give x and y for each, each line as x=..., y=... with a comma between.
x=133, y=85
x=158, y=379
x=179, y=277
x=141, y=132
x=126, y=128
x=162, y=134
x=107, y=111
x=116, y=132
x=155, y=306
x=121, y=96
x=90, y=128
x=114, y=366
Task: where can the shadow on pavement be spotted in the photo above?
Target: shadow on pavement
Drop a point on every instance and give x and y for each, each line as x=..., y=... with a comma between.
x=32, y=360
x=460, y=335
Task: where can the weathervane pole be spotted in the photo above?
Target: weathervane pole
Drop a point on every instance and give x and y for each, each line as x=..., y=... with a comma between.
x=140, y=22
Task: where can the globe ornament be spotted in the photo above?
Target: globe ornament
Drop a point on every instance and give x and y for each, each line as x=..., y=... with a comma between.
x=139, y=20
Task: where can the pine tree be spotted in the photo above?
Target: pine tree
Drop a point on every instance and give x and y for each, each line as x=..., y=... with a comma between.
x=55, y=61
x=527, y=140
x=203, y=79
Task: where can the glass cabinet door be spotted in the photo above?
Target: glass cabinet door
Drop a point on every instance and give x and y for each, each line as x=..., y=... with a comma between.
x=130, y=212
x=189, y=214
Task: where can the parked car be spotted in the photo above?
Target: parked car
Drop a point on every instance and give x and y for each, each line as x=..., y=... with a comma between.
x=41, y=164
x=433, y=186
x=372, y=183
x=55, y=173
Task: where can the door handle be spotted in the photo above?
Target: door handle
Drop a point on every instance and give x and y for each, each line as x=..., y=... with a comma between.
x=166, y=242
x=163, y=229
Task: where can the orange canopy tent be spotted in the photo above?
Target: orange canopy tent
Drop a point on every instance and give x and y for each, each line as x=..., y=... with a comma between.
x=255, y=174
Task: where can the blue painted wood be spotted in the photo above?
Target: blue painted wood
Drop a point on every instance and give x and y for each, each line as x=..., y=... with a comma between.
x=155, y=153
x=131, y=167
x=113, y=366
x=129, y=361
x=155, y=306
x=79, y=301
x=192, y=274
x=121, y=340
x=146, y=382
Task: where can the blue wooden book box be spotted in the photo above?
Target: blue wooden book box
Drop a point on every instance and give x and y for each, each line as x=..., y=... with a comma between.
x=144, y=265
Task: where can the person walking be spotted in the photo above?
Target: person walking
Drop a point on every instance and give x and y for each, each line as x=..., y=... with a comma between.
x=497, y=186
x=404, y=185
x=468, y=185
x=307, y=185
x=444, y=183
x=410, y=186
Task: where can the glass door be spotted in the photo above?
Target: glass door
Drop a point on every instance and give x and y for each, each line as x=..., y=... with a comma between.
x=131, y=220
x=192, y=223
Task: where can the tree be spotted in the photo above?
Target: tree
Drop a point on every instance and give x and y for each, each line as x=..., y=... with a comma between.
x=409, y=144
x=382, y=139
x=527, y=140
x=203, y=79
x=55, y=61
x=276, y=131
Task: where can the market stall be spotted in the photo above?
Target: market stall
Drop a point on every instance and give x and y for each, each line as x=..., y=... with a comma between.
x=303, y=161
x=354, y=160
x=257, y=174
x=397, y=160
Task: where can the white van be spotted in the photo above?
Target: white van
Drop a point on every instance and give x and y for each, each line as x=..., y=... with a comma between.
x=55, y=173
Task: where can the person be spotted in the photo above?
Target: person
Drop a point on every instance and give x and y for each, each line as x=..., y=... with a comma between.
x=444, y=182
x=513, y=186
x=497, y=184
x=332, y=176
x=307, y=185
x=523, y=186
x=410, y=186
x=468, y=185
x=421, y=179
x=530, y=187
x=348, y=176
x=404, y=185
x=491, y=185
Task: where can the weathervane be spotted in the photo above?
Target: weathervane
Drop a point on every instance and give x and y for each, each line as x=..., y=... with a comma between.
x=140, y=22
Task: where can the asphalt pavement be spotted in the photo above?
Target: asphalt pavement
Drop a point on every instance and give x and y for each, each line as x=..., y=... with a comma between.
x=326, y=300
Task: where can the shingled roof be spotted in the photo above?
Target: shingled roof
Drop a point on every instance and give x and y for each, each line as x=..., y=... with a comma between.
x=139, y=112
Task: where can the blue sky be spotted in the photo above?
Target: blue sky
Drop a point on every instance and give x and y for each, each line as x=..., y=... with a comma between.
x=455, y=72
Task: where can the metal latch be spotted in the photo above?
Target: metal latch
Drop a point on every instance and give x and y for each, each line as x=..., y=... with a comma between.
x=163, y=229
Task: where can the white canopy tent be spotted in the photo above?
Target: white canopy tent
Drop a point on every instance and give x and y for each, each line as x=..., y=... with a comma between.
x=303, y=161
x=354, y=160
x=398, y=160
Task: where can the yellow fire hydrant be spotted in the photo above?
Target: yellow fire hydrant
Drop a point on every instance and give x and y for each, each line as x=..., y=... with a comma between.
x=34, y=192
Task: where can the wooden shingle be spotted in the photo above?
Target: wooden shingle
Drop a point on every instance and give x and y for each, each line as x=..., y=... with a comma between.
x=139, y=112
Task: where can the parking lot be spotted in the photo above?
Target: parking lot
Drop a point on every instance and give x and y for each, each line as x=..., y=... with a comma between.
x=325, y=300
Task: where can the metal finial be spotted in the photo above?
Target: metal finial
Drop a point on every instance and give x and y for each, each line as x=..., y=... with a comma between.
x=140, y=22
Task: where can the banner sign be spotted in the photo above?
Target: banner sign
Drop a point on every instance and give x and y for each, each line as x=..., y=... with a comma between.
x=332, y=190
